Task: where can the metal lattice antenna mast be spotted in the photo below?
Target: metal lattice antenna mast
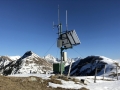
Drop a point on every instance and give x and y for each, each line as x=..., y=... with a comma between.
x=59, y=26
x=60, y=32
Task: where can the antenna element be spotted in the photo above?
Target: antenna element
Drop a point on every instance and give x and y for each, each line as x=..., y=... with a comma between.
x=66, y=21
x=53, y=25
x=58, y=15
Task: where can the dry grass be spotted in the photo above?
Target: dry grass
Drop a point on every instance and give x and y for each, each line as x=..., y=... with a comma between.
x=25, y=83
x=65, y=78
x=53, y=81
x=83, y=88
x=30, y=83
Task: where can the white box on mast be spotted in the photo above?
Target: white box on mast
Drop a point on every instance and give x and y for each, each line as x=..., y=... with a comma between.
x=64, y=56
x=59, y=43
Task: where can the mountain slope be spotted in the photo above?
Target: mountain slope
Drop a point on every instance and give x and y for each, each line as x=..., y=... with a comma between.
x=14, y=57
x=4, y=60
x=87, y=66
x=28, y=63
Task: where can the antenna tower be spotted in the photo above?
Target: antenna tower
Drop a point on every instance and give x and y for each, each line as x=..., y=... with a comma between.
x=65, y=40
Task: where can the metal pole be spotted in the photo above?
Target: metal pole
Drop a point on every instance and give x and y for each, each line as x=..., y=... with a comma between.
x=61, y=60
x=69, y=69
x=95, y=75
x=117, y=72
x=104, y=72
x=61, y=49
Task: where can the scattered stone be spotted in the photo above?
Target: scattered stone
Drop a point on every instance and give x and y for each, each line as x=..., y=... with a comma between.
x=32, y=79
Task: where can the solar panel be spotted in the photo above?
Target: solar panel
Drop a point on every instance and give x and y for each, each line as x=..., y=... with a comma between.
x=74, y=38
x=69, y=39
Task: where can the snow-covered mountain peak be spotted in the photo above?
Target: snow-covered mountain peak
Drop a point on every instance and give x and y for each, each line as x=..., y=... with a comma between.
x=29, y=54
x=88, y=65
x=28, y=63
x=50, y=58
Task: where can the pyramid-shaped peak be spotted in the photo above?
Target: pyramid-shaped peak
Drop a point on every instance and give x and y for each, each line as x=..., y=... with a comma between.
x=29, y=53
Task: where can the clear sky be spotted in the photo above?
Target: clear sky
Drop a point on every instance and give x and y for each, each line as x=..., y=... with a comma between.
x=27, y=25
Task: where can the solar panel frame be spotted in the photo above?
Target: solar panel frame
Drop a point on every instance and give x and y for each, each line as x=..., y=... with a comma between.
x=69, y=39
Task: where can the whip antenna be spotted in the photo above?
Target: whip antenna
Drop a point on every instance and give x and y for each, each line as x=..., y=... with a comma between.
x=53, y=25
x=66, y=21
x=58, y=16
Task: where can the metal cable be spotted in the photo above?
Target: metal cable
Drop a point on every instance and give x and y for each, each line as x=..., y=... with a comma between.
x=49, y=48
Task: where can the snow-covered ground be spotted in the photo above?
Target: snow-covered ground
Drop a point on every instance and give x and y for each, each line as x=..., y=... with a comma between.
x=43, y=76
x=106, y=84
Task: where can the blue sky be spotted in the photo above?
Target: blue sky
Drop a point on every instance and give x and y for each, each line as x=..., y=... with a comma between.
x=27, y=25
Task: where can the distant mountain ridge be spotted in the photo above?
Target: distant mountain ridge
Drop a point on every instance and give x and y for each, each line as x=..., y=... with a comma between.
x=33, y=63
x=28, y=63
x=14, y=57
x=87, y=66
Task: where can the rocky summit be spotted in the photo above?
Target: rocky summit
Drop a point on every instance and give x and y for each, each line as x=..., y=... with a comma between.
x=28, y=63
